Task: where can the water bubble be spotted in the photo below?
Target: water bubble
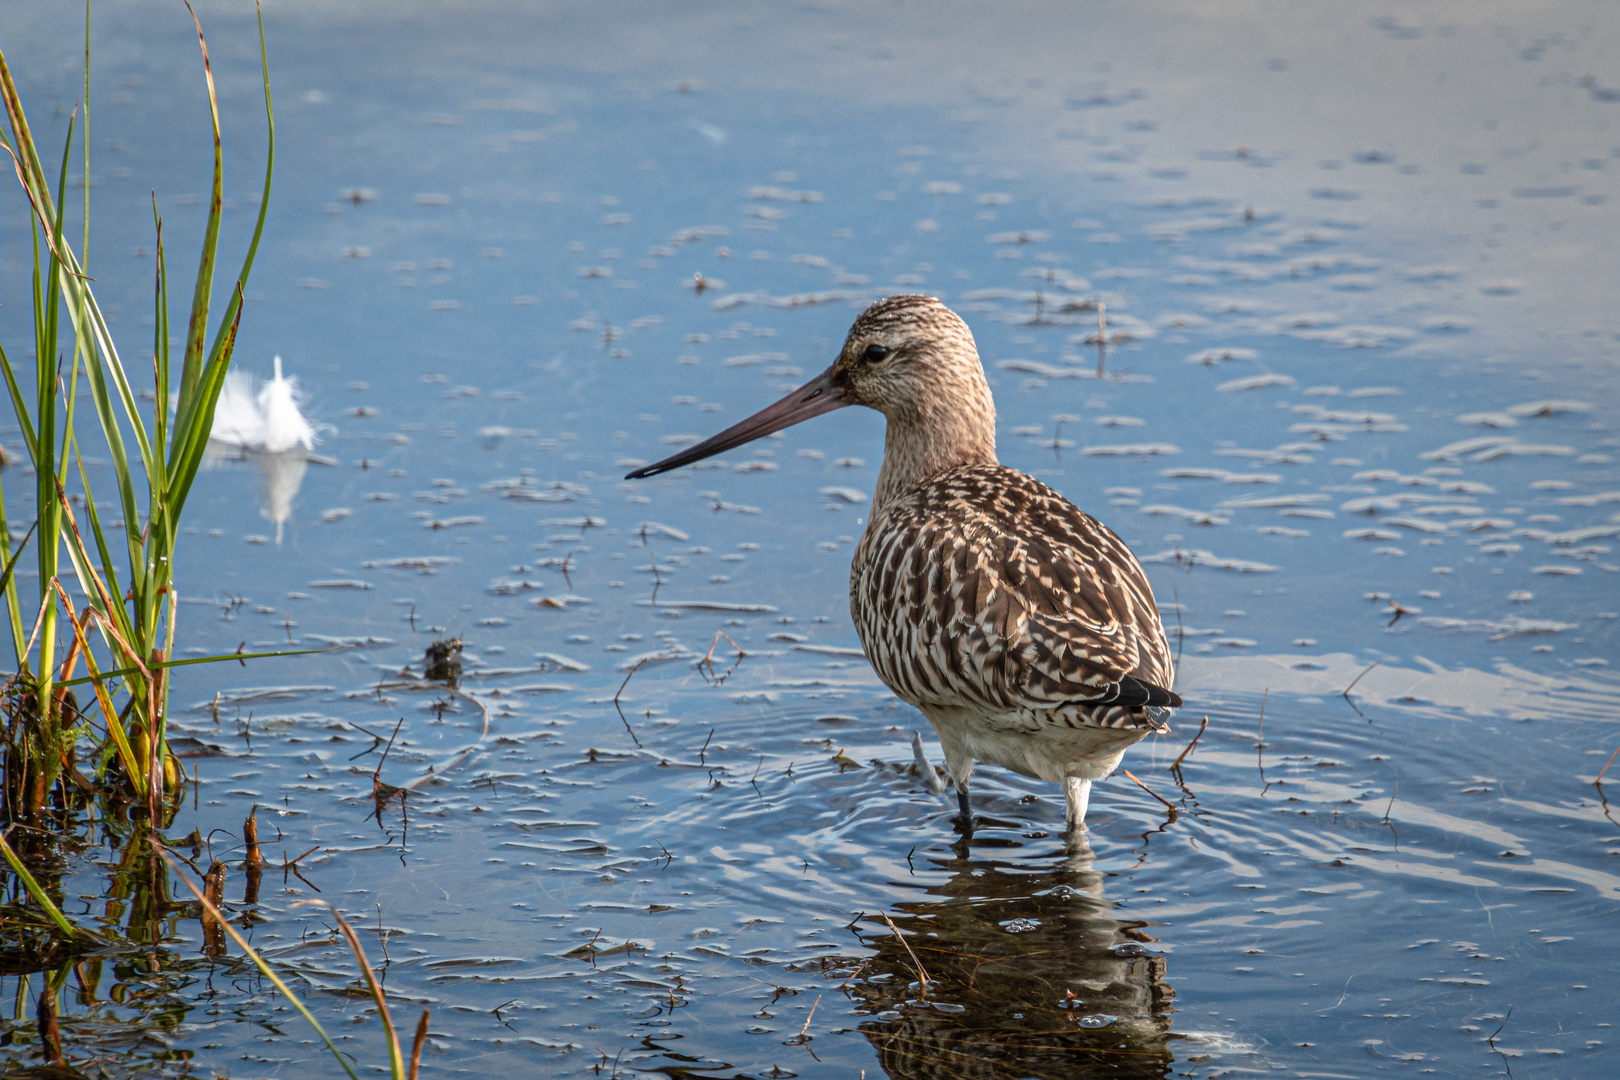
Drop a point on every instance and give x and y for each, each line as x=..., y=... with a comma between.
x=1131, y=950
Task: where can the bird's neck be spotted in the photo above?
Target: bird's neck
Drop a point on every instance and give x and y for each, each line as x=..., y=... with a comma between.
x=933, y=435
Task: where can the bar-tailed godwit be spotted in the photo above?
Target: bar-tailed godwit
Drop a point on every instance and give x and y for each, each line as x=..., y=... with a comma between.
x=1019, y=625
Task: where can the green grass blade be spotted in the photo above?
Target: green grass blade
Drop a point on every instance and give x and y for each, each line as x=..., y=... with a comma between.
x=28, y=161
x=160, y=340
x=11, y=562
x=22, y=150
x=84, y=144
x=13, y=606
x=47, y=368
x=191, y=441
x=39, y=895
x=196, y=332
x=194, y=422
x=109, y=574
x=220, y=659
x=91, y=582
x=100, y=397
x=232, y=309
x=23, y=416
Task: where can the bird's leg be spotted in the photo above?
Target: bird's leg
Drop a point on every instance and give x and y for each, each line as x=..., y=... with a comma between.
x=965, y=807
x=959, y=763
x=1077, y=793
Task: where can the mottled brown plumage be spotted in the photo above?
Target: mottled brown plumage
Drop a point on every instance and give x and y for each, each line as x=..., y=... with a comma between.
x=1020, y=626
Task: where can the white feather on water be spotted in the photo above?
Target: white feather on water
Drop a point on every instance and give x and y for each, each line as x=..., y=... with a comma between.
x=266, y=426
x=268, y=420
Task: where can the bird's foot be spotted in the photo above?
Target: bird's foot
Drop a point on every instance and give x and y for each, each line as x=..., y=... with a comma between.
x=925, y=770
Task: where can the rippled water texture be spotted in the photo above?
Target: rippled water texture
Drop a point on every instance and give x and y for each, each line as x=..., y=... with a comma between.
x=1357, y=405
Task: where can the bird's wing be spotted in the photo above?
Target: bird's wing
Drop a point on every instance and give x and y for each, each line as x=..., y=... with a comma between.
x=986, y=586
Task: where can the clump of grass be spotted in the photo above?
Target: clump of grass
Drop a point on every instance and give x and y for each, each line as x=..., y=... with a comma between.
x=124, y=633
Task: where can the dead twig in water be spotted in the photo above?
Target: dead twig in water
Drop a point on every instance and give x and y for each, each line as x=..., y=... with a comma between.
x=466, y=752
x=382, y=938
x=854, y=973
x=1175, y=766
x=635, y=667
x=381, y=793
x=708, y=660
x=922, y=975
x=1167, y=803
x=705, y=749
x=1599, y=781
x=1260, y=742
x=291, y=866
x=1491, y=1042
x=377, y=774
x=1352, y=686
x=802, y=1037
x=1604, y=800
x=460, y=756
x=376, y=739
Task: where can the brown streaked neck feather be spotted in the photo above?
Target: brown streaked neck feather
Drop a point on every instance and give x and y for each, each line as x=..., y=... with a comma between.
x=950, y=422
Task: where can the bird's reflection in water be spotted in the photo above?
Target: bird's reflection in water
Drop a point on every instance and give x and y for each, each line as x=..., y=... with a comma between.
x=263, y=424
x=1030, y=974
x=283, y=475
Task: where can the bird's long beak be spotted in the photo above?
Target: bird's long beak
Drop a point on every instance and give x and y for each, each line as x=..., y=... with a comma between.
x=820, y=395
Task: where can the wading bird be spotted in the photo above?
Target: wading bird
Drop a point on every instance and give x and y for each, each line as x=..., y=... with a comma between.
x=1020, y=626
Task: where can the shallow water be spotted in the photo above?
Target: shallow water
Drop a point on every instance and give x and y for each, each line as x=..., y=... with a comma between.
x=1358, y=354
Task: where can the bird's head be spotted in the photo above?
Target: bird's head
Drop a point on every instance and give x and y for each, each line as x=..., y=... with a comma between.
x=908, y=357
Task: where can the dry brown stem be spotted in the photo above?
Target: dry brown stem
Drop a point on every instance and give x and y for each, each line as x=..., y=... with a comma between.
x=922, y=975
x=1175, y=766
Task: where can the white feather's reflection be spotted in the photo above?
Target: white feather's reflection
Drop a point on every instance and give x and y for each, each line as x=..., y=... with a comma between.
x=1030, y=974
x=264, y=425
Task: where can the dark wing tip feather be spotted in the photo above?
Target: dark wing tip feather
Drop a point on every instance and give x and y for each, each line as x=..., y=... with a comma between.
x=1136, y=693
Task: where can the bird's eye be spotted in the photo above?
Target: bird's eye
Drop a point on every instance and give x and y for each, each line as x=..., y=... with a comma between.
x=875, y=353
